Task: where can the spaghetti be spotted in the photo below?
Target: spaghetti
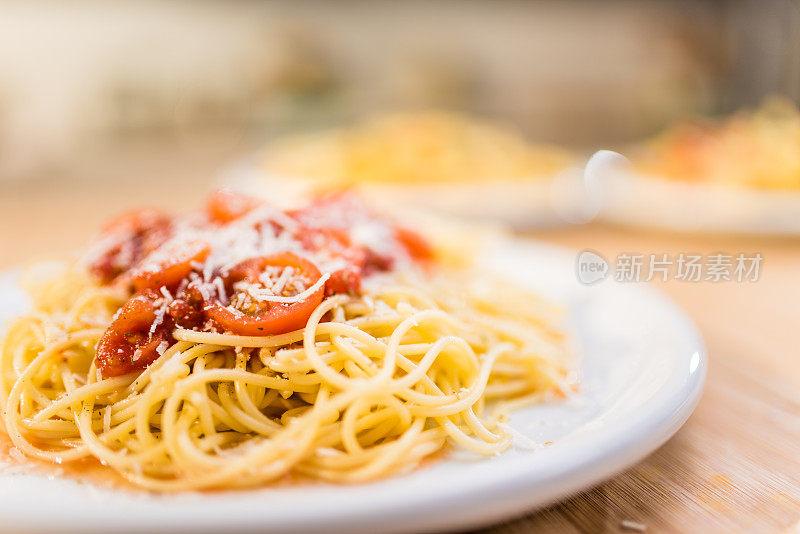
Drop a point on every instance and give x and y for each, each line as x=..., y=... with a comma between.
x=415, y=148
x=392, y=362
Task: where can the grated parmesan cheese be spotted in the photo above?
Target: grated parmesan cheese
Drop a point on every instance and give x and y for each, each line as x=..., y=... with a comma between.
x=281, y=282
x=267, y=296
x=220, y=287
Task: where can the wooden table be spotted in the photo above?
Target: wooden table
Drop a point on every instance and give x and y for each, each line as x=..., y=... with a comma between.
x=735, y=466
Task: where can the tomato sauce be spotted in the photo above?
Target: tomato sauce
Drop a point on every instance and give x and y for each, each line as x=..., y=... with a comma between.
x=224, y=272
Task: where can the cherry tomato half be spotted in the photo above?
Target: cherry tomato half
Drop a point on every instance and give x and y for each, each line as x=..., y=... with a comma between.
x=260, y=318
x=416, y=245
x=176, y=265
x=128, y=345
x=224, y=206
x=134, y=235
x=336, y=243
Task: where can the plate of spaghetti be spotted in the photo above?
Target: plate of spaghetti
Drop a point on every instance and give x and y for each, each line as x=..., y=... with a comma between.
x=322, y=365
x=455, y=164
x=737, y=174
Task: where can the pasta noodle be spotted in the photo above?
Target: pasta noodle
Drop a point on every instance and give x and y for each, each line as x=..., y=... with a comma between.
x=373, y=384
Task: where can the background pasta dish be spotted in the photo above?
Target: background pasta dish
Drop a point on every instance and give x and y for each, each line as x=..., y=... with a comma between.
x=752, y=148
x=424, y=147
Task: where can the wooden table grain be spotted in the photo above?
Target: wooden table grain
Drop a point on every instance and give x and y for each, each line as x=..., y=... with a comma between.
x=735, y=465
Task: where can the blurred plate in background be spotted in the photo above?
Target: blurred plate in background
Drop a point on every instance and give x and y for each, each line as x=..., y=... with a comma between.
x=452, y=163
x=631, y=198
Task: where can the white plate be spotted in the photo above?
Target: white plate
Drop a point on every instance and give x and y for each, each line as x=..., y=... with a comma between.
x=643, y=368
x=536, y=202
x=627, y=197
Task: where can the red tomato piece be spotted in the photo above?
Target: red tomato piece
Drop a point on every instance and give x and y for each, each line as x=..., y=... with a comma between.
x=134, y=235
x=416, y=245
x=336, y=243
x=187, y=308
x=129, y=344
x=176, y=265
x=245, y=315
x=225, y=206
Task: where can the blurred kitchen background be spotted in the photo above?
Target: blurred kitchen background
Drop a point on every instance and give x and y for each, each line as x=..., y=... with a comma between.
x=79, y=79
